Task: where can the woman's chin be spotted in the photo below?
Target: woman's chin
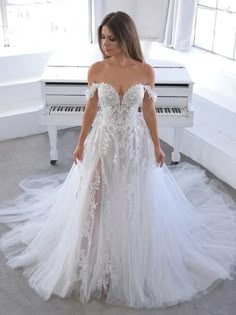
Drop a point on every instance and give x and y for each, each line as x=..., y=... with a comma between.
x=108, y=53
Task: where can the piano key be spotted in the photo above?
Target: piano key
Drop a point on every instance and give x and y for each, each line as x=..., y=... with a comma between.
x=75, y=110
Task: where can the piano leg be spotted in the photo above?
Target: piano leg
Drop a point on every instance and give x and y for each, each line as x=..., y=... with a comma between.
x=175, y=156
x=52, y=133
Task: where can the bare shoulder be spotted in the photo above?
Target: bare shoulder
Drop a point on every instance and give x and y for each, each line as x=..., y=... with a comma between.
x=149, y=74
x=94, y=71
x=148, y=67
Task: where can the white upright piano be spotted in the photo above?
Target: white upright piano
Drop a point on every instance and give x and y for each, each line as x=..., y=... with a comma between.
x=64, y=100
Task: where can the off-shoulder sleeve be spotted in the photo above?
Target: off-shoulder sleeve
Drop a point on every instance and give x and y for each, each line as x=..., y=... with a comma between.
x=152, y=95
x=89, y=92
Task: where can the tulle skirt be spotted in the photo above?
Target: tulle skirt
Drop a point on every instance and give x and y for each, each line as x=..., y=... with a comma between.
x=152, y=237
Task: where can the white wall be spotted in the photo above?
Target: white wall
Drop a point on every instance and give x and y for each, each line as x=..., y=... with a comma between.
x=20, y=92
x=149, y=16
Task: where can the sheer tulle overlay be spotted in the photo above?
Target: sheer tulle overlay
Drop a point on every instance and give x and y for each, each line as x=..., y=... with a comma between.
x=118, y=226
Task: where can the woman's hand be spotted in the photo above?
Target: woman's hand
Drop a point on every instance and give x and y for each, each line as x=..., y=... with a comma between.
x=160, y=156
x=78, y=153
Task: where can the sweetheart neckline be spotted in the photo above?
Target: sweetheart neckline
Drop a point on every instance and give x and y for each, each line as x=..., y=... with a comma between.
x=114, y=89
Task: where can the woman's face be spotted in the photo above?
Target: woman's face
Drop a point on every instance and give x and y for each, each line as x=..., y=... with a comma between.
x=109, y=44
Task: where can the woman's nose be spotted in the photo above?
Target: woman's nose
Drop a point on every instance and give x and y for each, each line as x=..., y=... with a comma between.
x=105, y=41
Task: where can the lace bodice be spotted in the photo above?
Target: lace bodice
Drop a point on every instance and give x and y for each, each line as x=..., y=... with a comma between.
x=117, y=110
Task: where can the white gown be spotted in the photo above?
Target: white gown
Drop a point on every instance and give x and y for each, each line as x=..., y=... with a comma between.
x=119, y=227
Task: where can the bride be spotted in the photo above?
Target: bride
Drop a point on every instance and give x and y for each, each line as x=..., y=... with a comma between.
x=121, y=225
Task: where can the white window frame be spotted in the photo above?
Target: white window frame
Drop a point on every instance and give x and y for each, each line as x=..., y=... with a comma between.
x=4, y=25
x=216, y=9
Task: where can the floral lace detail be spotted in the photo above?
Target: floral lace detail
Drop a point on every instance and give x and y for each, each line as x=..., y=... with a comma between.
x=118, y=134
x=120, y=111
x=105, y=143
x=89, y=92
x=122, y=125
x=87, y=230
x=152, y=95
x=108, y=276
x=119, y=115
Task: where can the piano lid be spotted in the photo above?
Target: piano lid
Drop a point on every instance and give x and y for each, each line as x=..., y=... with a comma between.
x=165, y=73
x=172, y=76
x=74, y=68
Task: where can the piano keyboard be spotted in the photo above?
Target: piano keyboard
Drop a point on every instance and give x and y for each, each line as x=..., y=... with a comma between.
x=78, y=110
x=71, y=115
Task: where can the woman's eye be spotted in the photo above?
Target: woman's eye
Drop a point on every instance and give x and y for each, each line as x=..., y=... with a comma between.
x=112, y=39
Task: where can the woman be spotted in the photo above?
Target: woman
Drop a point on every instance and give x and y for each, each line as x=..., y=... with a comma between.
x=119, y=226
x=122, y=56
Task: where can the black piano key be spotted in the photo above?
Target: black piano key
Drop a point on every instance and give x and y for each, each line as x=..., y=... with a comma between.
x=54, y=109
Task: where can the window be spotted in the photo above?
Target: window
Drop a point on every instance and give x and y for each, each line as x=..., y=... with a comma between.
x=215, y=27
x=1, y=32
x=39, y=23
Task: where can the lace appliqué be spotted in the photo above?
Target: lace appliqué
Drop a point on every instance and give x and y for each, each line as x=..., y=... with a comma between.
x=87, y=231
x=152, y=95
x=105, y=143
x=120, y=129
x=108, y=276
x=89, y=92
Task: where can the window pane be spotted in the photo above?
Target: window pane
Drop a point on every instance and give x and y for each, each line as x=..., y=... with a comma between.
x=204, y=28
x=54, y=23
x=225, y=34
x=208, y=3
x=229, y=5
x=1, y=33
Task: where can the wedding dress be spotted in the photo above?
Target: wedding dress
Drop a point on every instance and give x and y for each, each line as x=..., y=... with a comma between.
x=118, y=226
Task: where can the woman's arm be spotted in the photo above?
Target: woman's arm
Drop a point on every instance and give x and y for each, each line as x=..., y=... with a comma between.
x=89, y=114
x=150, y=118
